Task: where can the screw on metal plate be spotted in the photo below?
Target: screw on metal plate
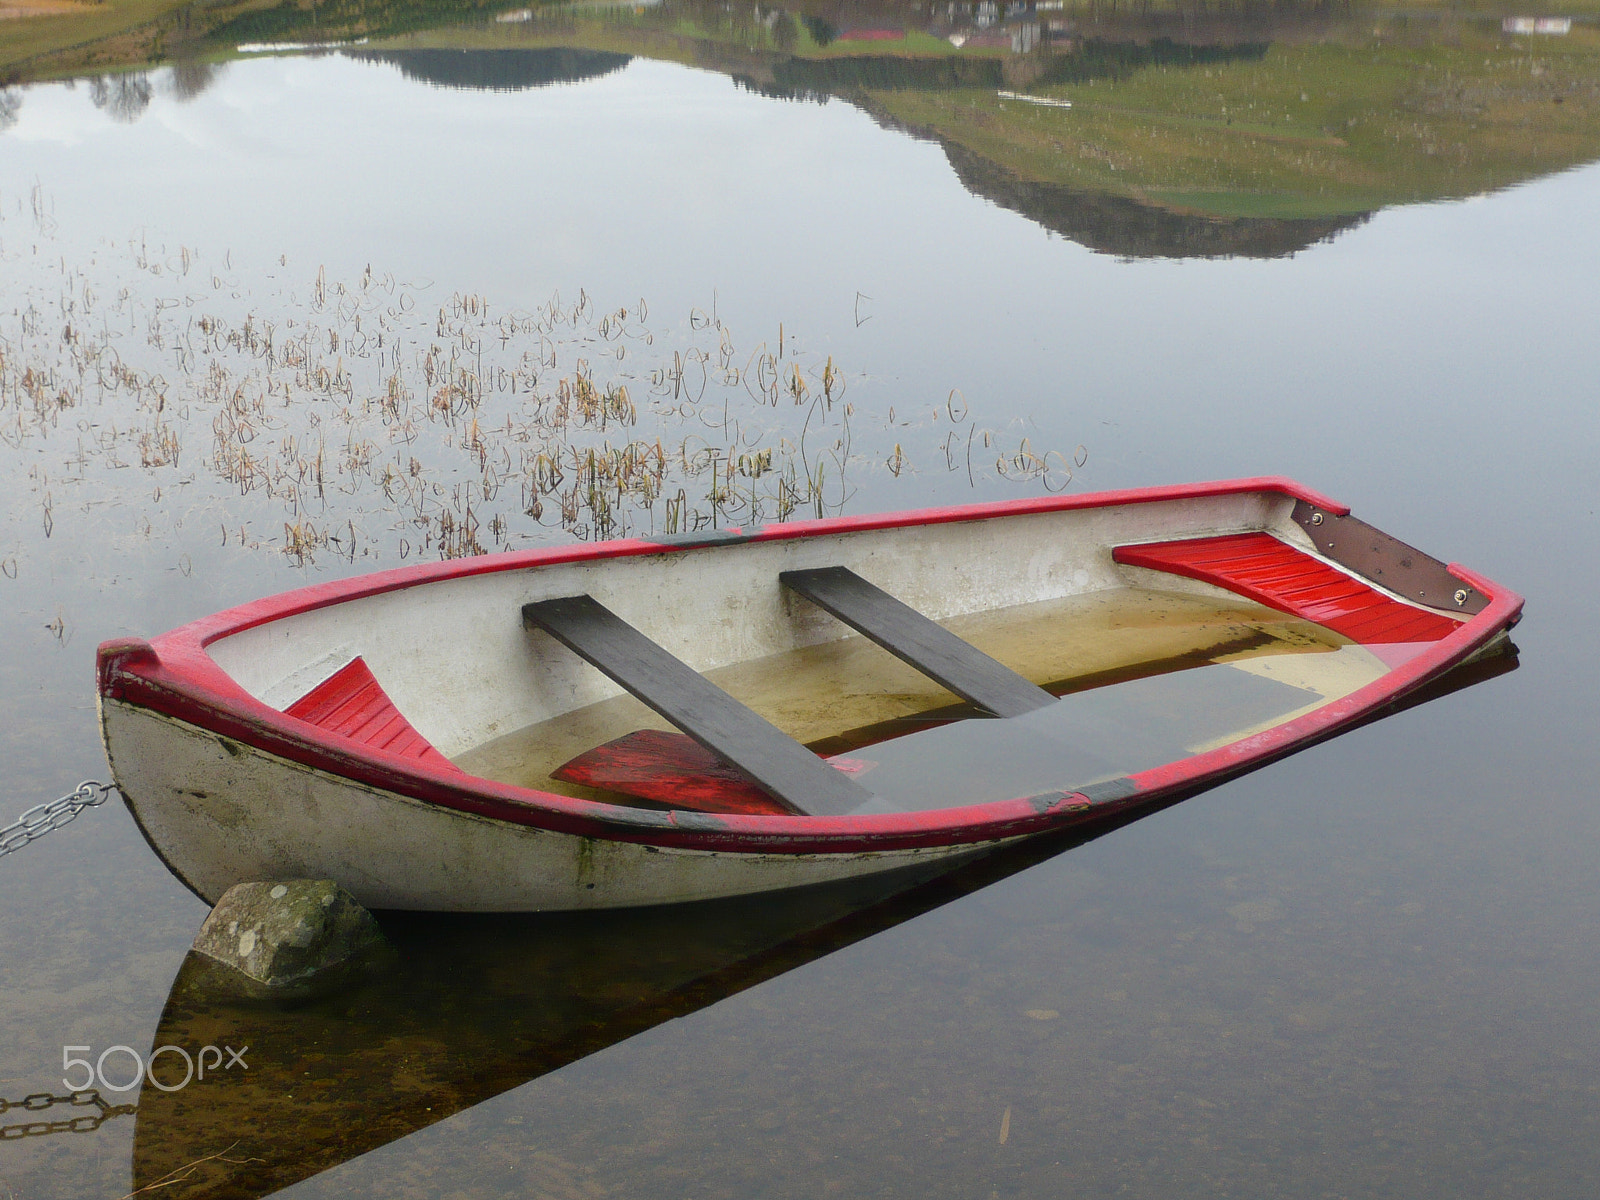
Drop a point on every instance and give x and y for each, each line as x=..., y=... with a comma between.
x=1316, y=518
x=1461, y=596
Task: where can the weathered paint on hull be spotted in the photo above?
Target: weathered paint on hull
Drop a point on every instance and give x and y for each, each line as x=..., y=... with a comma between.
x=228, y=811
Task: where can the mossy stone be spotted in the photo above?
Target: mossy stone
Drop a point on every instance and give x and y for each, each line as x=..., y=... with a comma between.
x=283, y=934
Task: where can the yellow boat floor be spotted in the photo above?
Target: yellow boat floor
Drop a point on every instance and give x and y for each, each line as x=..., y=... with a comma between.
x=849, y=693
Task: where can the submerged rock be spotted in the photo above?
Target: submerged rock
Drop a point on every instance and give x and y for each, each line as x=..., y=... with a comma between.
x=290, y=935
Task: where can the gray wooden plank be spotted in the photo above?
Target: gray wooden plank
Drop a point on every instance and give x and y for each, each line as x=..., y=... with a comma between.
x=761, y=752
x=925, y=644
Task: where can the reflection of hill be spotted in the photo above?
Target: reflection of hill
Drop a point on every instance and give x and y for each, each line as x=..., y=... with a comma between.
x=1117, y=225
x=1096, y=58
x=1188, y=127
x=497, y=70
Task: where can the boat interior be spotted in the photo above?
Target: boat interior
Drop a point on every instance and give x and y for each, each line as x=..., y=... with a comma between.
x=845, y=675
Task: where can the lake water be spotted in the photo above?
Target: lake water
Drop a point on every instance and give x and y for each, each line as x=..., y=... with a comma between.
x=1358, y=250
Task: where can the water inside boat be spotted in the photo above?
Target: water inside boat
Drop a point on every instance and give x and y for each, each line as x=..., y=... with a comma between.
x=1144, y=677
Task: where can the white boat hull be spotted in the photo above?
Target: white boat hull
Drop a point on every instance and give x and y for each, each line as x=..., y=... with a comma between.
x=229, y=812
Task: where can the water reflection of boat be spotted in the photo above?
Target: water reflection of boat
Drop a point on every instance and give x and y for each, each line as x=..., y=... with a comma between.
x=502, y=733
x=476, y=1006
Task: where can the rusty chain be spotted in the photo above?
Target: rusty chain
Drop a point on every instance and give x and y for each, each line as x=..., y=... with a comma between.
x=43, y=818
x=40, y=1101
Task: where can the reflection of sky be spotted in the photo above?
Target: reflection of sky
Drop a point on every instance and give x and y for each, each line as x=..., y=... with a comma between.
x=619, y=178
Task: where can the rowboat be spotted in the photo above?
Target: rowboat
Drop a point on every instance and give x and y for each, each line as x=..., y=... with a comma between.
x=661, y=720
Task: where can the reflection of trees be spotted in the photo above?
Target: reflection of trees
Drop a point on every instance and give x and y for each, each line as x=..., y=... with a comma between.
x=1095, y=59
x=192, y=77
x=887, y=72
x=821, y=31
x=785, y=33
x=123, y=97
x=496, y=70
x=10, y=103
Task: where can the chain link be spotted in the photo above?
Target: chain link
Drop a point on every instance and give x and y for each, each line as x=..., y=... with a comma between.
x=40, y=1101
x=43, y=818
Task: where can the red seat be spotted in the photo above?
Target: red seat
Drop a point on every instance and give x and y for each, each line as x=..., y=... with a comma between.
x=351, y=703
x=1280, y=576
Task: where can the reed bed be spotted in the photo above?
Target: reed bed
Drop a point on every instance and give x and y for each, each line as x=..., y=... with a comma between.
x=361, y=418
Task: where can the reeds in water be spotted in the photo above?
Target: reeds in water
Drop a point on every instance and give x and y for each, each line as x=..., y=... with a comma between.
x=359, y=421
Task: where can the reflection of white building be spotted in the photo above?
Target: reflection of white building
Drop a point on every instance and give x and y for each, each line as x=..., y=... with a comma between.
x=1005, y=25
x=1549, y=25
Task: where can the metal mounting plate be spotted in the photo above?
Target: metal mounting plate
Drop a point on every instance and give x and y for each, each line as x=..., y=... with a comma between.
x=1387, y=561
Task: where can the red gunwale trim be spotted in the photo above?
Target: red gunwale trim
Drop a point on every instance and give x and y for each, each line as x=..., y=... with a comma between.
x=175, y=677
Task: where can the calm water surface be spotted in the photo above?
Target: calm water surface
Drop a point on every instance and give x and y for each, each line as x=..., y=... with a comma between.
x=1369, y=970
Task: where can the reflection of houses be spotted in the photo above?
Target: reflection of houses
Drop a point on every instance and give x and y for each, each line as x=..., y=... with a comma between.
x=1019, y=39
x=987, y=25
x=1024, y=27
x=1558, y=26
x=965, y=24
x=988, y=39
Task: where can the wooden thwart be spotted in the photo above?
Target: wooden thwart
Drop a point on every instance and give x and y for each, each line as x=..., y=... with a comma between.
x=925, y=644
x=759, y=750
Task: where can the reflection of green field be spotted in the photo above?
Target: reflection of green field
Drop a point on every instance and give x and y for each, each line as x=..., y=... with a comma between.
x=1404, y=110
x=112, y=34
x=1307, y=130
x=123, y=35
